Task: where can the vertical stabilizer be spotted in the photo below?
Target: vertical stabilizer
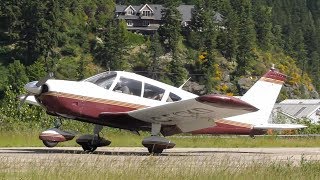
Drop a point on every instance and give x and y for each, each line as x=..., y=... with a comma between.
x=263, y=95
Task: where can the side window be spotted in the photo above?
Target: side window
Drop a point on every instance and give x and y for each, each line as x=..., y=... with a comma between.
x=128, y=86
x=172, y=97
x=153, y=92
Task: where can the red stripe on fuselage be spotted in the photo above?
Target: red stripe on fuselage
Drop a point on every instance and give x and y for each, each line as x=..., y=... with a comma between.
x=81, y=106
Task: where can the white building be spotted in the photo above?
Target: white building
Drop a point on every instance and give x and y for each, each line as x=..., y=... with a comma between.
x=297, y=108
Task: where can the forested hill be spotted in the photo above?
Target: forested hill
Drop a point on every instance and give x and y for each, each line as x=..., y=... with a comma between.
x=78, y=38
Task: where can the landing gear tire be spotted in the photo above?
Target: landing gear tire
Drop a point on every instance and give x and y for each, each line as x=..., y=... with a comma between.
x=49, y=144
x=88, y=147
x=155, y=150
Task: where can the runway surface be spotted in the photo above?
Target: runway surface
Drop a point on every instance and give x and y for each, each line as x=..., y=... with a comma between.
x=117, y=157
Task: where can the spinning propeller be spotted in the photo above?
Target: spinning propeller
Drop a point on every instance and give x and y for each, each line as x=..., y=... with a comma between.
x=34, y=87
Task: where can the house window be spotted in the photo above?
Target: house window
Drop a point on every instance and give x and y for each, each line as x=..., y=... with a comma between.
x=129, y=23
x=146, y=13
x=145, y=23
x=130, y=12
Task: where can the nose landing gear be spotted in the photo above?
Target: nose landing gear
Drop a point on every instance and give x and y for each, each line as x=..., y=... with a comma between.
x=51, y=137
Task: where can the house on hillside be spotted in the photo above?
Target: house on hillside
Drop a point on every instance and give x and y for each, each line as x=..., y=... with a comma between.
x=146, y=19
x=299, y=108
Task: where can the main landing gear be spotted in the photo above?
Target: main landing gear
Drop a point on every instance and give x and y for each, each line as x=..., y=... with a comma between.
x=89, y=143
x=155, y=143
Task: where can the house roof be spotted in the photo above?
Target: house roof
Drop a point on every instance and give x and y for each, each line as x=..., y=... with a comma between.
x=301, y=101
x=297, y=110
x=157, y=8
x=120, y=8
x=186, y=12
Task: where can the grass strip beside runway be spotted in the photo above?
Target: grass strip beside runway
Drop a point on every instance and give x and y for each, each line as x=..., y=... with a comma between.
x=155, y=168
x=126, y=139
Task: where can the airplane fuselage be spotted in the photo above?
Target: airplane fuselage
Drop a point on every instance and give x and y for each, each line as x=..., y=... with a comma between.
x=86, y=100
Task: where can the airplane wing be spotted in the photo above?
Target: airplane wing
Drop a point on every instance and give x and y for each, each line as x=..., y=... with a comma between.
x=279, y=126
x=188, y=115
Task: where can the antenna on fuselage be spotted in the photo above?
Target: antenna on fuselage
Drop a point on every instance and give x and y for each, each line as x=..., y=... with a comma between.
x=184, y=83
x=272, y=67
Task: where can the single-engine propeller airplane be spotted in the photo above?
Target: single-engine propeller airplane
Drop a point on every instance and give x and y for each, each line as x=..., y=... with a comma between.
x=133, y=102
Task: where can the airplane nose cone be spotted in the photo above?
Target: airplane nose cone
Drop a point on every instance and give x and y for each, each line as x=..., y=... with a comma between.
x=32, y=88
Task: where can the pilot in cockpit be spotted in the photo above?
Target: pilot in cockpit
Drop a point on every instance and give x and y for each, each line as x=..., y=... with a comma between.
x=122, y=87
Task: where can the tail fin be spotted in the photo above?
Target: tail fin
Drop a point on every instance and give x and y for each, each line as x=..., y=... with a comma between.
x=263, y=95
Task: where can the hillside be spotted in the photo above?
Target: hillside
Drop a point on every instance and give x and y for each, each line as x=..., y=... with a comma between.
x=76, y=39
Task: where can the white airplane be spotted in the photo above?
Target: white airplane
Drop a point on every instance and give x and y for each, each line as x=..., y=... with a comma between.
x=133, y=102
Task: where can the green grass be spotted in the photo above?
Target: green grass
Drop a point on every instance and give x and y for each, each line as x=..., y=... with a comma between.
x=153, y=168
x=127, y=139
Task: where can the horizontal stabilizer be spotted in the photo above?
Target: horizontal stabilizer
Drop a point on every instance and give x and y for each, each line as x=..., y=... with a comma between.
x=279, y=126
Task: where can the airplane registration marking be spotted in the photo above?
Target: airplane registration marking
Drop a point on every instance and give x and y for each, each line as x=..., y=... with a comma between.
x=195, y=112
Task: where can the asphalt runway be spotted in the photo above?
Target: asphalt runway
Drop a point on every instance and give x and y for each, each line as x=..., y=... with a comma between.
x=118, y=157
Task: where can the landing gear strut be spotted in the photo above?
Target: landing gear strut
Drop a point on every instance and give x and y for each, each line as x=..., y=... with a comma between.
x=90, y=143
x=155, y=143
x=51, y=137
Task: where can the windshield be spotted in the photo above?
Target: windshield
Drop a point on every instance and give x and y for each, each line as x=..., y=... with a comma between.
x=104, y=80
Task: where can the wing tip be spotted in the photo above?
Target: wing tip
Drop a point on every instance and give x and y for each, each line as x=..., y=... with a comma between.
x=226, y=101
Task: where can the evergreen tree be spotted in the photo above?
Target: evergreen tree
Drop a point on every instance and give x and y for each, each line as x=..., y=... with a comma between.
x=111, y=53
x=17, y=76
x=170, y=35
x=204, y=27
x=39, y=32
x=263, y=26
x=247, y=42
x=277, y=39
x=170, y=30
x=228, y=34
x=156, y=50
x=299, y=50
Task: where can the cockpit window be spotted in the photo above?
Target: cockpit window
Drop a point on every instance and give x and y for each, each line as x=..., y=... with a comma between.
x=104, y=80
x=153, y=92
x=173, y=97
x=128, y=86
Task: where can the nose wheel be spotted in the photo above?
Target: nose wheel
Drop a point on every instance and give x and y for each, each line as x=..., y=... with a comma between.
x=49, y=144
